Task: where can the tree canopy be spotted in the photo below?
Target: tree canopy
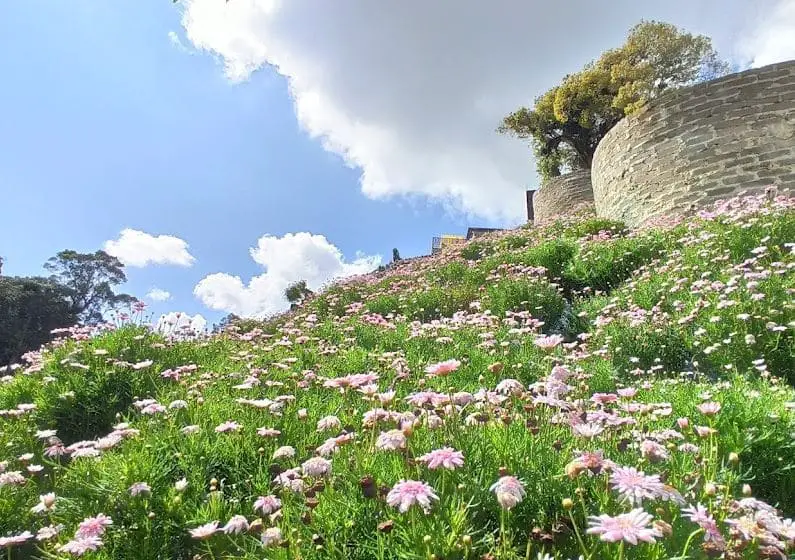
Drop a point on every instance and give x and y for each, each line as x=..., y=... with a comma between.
x=296, y=292
x=89, y=279
x=567, y=122
x=30, y=308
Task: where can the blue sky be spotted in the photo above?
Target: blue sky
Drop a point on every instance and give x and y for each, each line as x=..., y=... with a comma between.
x=383, y=138
x=107, y=125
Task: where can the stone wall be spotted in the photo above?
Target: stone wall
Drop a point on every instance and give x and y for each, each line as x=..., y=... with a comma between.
x=559, y=195
x=693, y=146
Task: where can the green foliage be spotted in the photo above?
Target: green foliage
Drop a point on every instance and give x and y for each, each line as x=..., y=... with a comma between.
x=568, y=121
x=603, y=265
x=30, y=308
x=297, y=292
x=542, y=300
x=671, y=327
x=473, y=250
x=89, y=278
x=553, y=255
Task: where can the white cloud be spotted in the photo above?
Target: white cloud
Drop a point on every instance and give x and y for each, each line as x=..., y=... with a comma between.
x=157, y=294
x=773, y=38
x=177, y=42
x=139, y=249
x=411, y=92
x=177, y=323
x=296, y=256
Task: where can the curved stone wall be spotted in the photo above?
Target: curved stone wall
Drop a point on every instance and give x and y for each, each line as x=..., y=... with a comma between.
x=699, y=144
x=559, y=195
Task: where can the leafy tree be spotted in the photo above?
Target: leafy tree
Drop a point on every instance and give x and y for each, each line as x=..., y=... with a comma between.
x=395, y=255
x=30, y=308
x=568, y=121
x=656, y=57
x=225, y=322
x=297, y=292
x=89, y=279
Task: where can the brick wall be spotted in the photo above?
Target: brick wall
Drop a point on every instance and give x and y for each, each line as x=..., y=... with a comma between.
x=559, y=195
x=699, y=144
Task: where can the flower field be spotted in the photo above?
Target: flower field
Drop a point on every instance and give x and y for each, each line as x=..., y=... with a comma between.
x=574, y=390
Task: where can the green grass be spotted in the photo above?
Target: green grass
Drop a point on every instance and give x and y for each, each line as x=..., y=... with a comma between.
x=686, y=315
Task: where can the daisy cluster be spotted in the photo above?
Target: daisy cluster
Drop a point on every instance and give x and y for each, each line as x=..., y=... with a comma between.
x=576, y=390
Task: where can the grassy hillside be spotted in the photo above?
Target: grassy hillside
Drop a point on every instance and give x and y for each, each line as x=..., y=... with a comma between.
x=576, y=390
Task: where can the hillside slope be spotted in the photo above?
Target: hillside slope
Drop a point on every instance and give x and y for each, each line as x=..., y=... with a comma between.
x=571, y=390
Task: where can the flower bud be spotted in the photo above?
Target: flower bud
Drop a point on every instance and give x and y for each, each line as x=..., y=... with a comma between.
x=663, y=528
x=747, y=490
x=710, y=489
x=567, y=503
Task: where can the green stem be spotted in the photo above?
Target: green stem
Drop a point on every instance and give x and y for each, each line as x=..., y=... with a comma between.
x=579, y=537
x=687, y=543
x=529, y=547
x=621, y=550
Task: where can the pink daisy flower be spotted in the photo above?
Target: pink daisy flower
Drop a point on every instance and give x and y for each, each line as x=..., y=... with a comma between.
x=328, y=423
x=228, y=426
x=548, y=342
x=509, y=491
x=407, y=493
x=271, y=536
x=284, y=452
x=391, y=440
x=268, y=432
x=13, y=540
x=447, y=458
x=237, y=524
x=80, y=545
x=316, y=467
x=653, y=451
x=205, y=531
x=443, y=368
x=635, y=486
x=630, y=527
x=699, y=515
x=709, y=408
x=46, y=503
x=267, y=504
x=93, y=526
x=48, y=532
x=140, y=488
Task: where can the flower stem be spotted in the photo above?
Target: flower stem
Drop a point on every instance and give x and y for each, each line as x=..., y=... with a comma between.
x=687, y=543
x=579, y=537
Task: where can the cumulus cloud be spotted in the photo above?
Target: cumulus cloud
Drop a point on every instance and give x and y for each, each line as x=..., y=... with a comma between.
x=411, y=92
x=158, y=294
x=177, y=42
x=773, y=37
x=287, y=259
x=178, y=323
x=139, y=249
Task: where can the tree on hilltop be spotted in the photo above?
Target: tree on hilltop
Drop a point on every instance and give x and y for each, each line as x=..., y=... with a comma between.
x=567, y=122
x=297, y=292
x=30, y=308
x=89, y=279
